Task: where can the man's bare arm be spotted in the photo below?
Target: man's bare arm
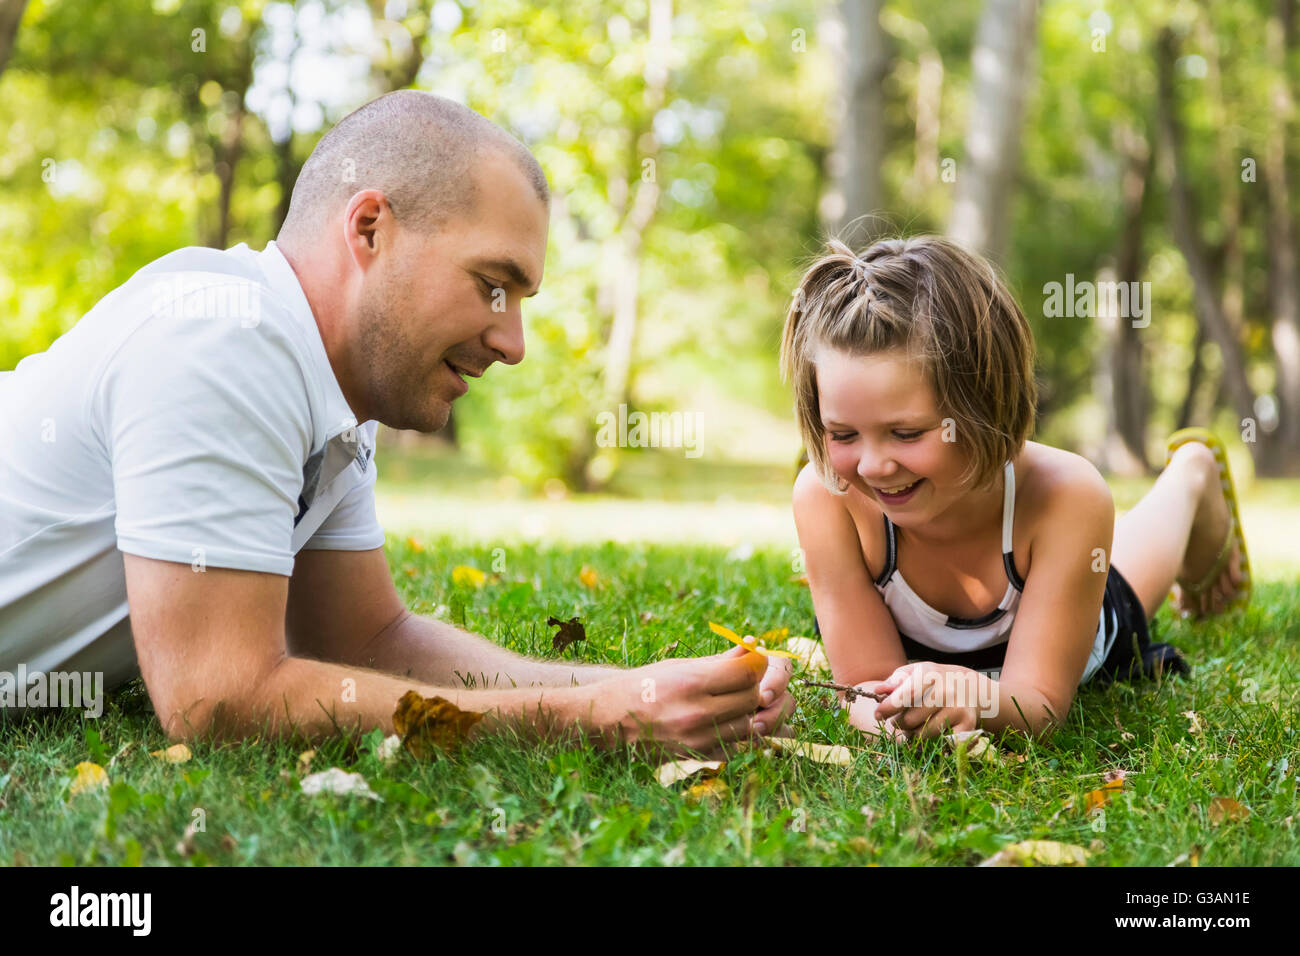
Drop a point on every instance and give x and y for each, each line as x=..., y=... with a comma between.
x=212, y=651
x=431, y=650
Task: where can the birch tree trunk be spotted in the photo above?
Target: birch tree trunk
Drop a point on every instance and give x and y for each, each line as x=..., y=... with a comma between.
x=1001, y=63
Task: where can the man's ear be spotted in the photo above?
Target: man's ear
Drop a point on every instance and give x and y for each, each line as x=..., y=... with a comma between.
x=368, y=218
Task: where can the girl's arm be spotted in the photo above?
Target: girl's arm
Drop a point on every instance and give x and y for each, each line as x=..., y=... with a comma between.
x=1057, y=619
x=858, y=632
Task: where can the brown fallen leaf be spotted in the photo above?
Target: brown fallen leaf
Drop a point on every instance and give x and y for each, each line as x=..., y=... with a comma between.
x=675, y=771
x=1225, y=809
x=1038, y=853
x=571, y=631
x=428, y=724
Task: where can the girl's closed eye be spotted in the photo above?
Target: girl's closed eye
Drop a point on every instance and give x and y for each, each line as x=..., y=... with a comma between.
x=843, y=437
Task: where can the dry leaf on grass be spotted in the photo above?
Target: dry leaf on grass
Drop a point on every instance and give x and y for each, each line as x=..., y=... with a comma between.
x=715, y=788
x=975, y=743
x=90, y=776
x=1096, y=799
x=676, y=771
x=336, y=780
x=1225, y=809
x=1038, y=853
x=570, y=632
x=810, y=653
x=428, y=723
x=838, y=755
x=1194, y=725
x=176, y=753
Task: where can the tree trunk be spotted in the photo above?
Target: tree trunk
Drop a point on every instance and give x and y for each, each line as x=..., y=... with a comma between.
x=861, y=145
x=1280, y=455
x=11, y=14
x=1001, y=61
x=1187, y=413
x=619, y=290
x=1130, y=402
x=1209, y=310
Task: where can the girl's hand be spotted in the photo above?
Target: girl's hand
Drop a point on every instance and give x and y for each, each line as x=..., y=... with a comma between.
x=927, y=699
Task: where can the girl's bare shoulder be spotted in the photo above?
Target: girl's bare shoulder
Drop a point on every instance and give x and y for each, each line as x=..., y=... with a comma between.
x=1052, y=479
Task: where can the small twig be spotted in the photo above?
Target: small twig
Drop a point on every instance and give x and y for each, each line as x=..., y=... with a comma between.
x=850, y=693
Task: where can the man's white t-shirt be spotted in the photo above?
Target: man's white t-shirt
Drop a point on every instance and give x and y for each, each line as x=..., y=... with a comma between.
x=191, y=416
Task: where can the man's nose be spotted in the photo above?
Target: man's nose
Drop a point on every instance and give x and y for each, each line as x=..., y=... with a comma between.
x=506, y=338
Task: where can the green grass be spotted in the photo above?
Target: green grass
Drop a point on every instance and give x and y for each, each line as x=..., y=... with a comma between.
x=559, y=805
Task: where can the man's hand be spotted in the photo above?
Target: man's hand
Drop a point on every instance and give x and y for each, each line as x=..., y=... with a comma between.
x=693, y=704
x=927, y=699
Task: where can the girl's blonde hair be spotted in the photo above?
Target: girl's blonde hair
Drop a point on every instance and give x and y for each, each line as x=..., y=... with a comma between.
x=947, y=309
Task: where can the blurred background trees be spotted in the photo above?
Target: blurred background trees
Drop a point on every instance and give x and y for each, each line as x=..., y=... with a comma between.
x=697, y=153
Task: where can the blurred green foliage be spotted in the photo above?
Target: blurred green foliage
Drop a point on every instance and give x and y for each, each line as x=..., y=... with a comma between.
x=118, y=120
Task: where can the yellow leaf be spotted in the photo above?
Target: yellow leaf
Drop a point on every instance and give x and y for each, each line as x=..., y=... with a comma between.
x=462, y=575
x=589, y=577
x=90, y=776
x=176, y=753
x=715, y=788
x=678, y=770
x=1096, y=799
x=748, y=642
x=818, y=753
x=304, y=761
x=1038, y=853
x=1226, y=809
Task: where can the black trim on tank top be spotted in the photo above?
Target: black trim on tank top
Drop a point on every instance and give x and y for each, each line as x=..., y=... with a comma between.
x=957, y=623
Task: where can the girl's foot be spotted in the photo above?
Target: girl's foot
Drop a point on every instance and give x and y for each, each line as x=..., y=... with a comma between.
x=1211, y=577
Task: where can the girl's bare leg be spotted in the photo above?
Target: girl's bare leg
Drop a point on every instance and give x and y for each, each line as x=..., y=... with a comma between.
x=1176, y=531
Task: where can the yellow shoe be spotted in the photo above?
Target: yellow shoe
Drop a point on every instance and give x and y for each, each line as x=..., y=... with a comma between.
x=1193, y=589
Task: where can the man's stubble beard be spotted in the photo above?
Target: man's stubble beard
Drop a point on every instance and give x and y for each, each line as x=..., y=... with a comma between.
x=395, y=391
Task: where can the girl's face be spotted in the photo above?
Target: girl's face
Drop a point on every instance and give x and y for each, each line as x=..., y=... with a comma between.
x=884, y=431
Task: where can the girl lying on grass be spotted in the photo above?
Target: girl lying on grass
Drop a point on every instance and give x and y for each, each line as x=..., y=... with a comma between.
x=974, y=577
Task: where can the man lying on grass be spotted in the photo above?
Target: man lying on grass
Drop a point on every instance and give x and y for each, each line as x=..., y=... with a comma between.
x=188, y=475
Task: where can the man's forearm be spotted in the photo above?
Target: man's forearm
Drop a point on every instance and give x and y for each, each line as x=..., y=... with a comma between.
x=426, y=649
x=317, y=698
